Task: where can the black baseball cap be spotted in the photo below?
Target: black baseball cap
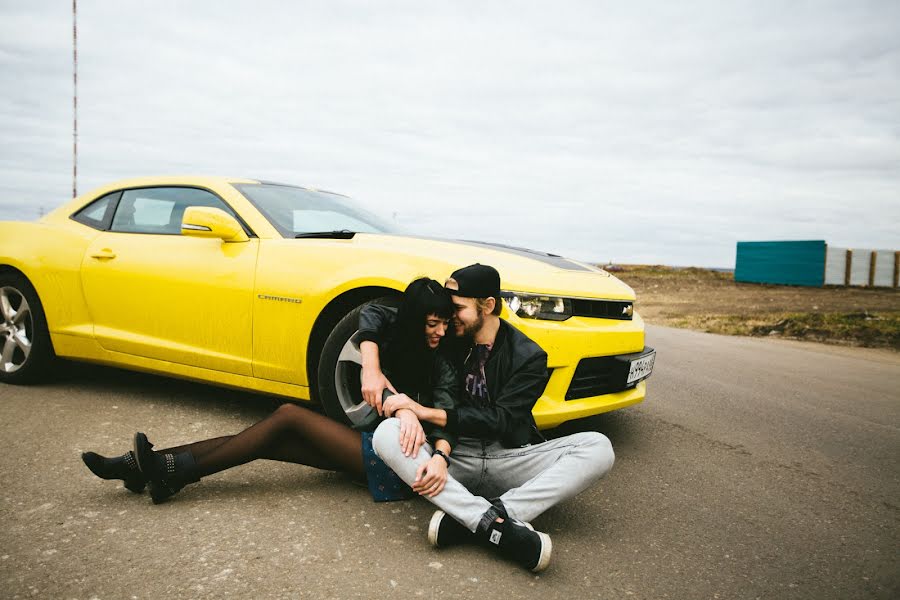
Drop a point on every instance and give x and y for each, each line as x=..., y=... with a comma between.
x=477, y=281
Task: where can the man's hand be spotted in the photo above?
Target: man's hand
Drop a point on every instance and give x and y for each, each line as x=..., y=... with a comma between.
x=431, y=477
x=373, y=385
x=398, y=402
x=412, y=436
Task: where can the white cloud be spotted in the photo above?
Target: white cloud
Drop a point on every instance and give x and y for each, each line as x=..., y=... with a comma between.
x=658, y=132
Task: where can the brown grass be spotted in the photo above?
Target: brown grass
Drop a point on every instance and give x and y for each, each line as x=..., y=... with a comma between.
x=712, y=301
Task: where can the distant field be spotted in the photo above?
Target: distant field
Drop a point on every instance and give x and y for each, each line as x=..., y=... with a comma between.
x=711, y=301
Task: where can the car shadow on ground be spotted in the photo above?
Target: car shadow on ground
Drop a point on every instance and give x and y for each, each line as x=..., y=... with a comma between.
x=618, y=426
x=111, y=380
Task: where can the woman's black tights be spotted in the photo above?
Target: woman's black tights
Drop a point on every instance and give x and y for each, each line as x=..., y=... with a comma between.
x=290, y=434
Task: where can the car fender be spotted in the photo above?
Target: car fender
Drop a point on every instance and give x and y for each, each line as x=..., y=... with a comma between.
x=297, y=280
x=50, y=257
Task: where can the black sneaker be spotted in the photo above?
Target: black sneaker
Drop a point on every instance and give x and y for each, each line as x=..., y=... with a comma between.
x=516, y=541
x=445, y=531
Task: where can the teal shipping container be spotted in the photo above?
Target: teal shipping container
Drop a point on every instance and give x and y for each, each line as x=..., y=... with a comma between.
x=786, y=263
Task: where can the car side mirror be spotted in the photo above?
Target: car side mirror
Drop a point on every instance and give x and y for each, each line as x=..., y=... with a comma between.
x=209, y=222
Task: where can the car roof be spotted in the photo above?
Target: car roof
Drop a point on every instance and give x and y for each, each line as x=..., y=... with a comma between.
x=199, y=180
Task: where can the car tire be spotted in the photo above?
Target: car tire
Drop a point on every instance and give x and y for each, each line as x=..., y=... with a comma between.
x=339, y=373
x=26, y=351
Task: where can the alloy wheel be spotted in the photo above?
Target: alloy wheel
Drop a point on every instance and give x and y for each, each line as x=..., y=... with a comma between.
x=16, y=330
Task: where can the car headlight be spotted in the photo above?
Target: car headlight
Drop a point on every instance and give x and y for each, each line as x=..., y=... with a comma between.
x=532, y=306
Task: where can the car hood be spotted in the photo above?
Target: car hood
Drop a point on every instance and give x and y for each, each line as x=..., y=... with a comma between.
x=521, y=270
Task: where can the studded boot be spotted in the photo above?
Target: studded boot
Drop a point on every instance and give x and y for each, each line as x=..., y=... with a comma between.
x=123, y=467
x=167, y=473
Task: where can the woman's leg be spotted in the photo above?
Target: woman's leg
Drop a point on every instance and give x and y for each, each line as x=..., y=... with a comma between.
x=200, y=448
x=292, y=433
x=286, y=448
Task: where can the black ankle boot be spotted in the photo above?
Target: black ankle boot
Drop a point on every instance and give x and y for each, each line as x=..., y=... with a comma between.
x=166, y=473
x=120, y=467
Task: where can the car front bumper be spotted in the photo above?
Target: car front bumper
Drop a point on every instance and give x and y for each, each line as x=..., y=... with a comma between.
x=606, y=346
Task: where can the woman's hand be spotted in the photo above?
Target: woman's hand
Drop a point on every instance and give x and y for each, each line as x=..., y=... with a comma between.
x=412, y=436
x=431, y=477
x=373, y=385
x=398, y=402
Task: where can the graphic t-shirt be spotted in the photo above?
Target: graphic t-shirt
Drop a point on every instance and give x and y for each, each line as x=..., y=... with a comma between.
x=476, y=383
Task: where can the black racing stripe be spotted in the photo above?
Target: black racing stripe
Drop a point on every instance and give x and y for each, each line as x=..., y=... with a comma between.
x=551, y=259
x=545, y=257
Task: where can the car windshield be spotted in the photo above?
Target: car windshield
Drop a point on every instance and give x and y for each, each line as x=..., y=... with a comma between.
x=295, y=210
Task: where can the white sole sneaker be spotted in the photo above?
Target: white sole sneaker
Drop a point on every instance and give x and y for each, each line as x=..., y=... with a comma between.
x=434, y=526
x=546, y=551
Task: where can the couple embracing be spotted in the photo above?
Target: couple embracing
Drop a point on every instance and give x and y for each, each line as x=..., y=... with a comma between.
x=456, y=385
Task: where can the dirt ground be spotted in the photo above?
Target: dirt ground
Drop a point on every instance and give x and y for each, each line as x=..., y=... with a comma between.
x=712, y=301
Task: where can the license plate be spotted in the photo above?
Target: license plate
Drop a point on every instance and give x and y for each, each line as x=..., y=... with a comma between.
x=641, y=368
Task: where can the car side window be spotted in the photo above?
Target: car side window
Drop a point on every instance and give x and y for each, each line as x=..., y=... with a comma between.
x=159, y=210
x=98, y=213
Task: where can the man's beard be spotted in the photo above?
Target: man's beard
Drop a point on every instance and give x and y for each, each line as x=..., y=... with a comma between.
x=471, y=329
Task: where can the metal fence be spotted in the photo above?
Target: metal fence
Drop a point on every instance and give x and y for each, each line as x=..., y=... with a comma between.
x=873, y=268
x=814, y=263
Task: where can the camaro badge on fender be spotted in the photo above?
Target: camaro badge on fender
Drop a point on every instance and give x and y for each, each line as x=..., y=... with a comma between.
x=280, y=299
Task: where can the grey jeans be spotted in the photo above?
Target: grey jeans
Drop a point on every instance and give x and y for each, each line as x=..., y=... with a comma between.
x=527, y=480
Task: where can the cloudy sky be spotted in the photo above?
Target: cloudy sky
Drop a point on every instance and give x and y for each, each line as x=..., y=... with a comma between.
x=634, y=132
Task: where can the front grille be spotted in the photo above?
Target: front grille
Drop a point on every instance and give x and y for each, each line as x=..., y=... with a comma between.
x=602, y=309
x=595, y=377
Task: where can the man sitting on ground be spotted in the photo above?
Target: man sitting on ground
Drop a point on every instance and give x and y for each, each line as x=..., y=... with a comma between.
x=502, y=473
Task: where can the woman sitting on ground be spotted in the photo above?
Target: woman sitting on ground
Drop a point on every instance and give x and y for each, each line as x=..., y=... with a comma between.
x=298, y=435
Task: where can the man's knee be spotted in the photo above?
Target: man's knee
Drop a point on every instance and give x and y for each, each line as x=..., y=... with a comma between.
x=599, y=451
x=386, y=438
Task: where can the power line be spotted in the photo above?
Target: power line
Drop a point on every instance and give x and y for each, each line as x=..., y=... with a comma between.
x=74, y=98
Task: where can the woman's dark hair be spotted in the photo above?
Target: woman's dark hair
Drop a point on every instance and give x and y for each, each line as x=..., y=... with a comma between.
x=408, y=358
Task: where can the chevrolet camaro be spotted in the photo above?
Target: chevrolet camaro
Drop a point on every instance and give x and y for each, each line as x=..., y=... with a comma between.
x=258, y=286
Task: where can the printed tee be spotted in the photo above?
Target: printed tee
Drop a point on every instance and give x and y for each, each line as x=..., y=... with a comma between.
x=476, y=383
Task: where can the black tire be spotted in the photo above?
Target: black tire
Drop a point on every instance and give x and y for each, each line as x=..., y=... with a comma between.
x=339, y=381
x=36, y=364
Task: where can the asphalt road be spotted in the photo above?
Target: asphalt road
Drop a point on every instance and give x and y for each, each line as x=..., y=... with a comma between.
x=755, y=469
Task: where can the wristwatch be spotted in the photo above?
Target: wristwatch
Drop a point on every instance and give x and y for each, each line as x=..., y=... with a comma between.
x=442, y=455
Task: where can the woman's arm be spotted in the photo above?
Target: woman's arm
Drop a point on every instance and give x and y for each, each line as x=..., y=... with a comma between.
x=444, y=394
x=375, y=323
x=373, y=380
x=436, y=416
x=412, y=436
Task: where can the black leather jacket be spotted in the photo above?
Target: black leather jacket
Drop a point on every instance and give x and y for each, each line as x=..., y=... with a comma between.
x=516, y=373
x=376, y=324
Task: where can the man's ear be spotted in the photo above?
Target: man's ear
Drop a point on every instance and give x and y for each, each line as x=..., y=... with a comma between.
x=489, y=304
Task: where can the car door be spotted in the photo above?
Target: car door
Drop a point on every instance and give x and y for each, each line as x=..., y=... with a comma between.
x=155, y=293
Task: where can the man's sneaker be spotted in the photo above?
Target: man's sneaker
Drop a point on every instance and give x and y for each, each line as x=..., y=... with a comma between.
x=445, y=531
x=516, y=541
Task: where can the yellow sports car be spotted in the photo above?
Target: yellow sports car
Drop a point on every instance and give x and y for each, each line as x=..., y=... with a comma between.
x=257, y=285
